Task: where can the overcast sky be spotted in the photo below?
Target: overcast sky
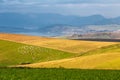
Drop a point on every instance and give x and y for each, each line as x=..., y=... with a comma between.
x=107, y=8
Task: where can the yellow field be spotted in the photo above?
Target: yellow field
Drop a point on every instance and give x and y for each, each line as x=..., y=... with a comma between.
x=102, y=58
x=96, y=56
x=60, y=44
x=98, y=61
x=20, y=38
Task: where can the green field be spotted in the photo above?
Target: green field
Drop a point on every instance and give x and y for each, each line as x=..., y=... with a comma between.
x=57, y=74
x=12, y=53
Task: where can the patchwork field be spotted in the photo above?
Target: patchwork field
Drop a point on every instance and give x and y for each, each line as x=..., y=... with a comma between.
x=41, y=58
x=103, y=58
x=42, y=52
x=12, y=53
x=74, y=46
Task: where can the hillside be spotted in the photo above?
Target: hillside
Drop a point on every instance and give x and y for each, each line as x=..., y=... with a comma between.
x=20, y=38
x=74, y=46
x=90, y=31
x=103, y=58
x=97, y=35
x=12, y=53
x=40, y=52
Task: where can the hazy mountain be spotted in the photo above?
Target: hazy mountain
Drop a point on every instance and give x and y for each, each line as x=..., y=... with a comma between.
x=96, y=35
x=41, y=20
x=54, y=24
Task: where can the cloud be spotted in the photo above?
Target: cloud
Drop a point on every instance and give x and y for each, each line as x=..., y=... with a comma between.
x=60, y=1
x=67, y=7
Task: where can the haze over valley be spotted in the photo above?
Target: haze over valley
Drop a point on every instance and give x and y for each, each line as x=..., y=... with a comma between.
x=49, y=24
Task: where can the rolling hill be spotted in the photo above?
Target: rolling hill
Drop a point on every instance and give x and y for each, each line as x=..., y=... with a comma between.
x=43, y=52
x=12, y=53
x=103, y=58
x=74, y=46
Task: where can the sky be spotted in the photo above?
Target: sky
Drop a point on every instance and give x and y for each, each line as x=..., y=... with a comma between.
x=107, y=8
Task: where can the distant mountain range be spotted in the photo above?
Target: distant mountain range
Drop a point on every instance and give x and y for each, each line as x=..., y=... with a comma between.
x=98, y=35
x=44, y=19
x=55, y=24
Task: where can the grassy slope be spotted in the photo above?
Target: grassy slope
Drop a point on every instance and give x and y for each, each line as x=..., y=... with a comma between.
x=103, y=58
x=12, y=53
x=109, y=58
x=73, y=46
x=58, y=74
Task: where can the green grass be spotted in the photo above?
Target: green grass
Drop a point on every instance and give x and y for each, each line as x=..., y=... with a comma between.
x=57, y=74
x=12, y=53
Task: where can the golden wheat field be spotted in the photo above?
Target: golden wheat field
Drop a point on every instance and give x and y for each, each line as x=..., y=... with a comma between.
x=74, y=46
x=99, y=61
x=102, y=58
x=20, y=37
x=98, y=55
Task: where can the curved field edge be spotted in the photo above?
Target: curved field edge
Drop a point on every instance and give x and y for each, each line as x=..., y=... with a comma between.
x=109, y=49
x=57, y=74
x=72, y=46
x=12, y=53
x=104, y=58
